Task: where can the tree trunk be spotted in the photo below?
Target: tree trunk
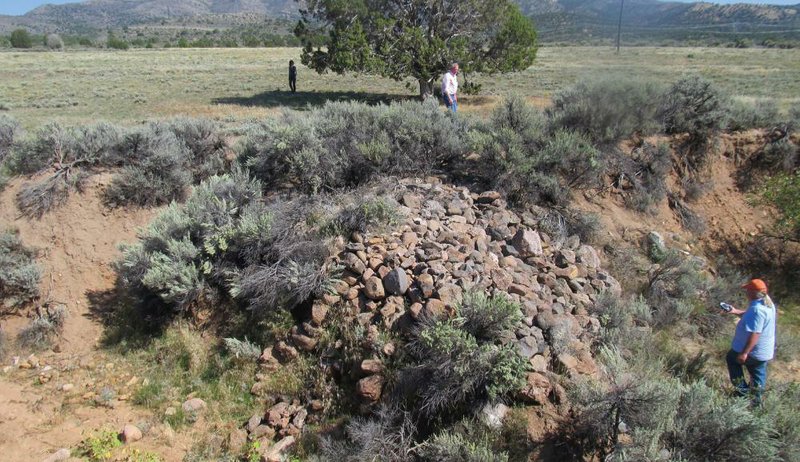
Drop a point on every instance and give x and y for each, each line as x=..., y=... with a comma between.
x=425, y=89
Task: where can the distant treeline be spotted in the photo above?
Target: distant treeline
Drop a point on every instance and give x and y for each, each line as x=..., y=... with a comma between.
x=253, y=37
x=125, y=39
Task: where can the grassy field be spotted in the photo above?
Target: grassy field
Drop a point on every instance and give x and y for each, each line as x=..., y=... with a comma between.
x=234, y=84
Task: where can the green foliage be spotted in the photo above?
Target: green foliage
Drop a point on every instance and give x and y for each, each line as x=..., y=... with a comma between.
x=629, y=394
x=419, y=41
x=9, y=132
x=243, y=350
x=487, y=319
x=19, y=280
x=347, y=144
x=745, y=115
x=20, y=38
x=783, y=192
x=608, y=109
x=455, y=447
x=115, y=43
x=54, y=42
x=99, y=446
x=529, y=166
x=366, y=213
x=710, y=427
x=453, y=370
x=162, y=160
x=674, y=287
x=693, y=105
x=642, y=176
x=388, y=435
x=781, y=408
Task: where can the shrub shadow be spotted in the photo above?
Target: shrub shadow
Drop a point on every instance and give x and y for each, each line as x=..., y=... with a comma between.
x=124, y=322
x=307, y=100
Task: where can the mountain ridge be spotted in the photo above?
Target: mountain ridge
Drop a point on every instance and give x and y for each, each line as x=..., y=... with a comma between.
x=557, y=20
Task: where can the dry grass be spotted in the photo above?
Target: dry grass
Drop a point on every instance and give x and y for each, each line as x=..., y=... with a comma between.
x=81, y=87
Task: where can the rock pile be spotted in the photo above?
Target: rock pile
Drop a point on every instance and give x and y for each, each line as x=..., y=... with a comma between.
x=452, y=241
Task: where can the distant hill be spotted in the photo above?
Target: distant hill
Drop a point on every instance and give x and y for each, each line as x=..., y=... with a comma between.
x=557, y=20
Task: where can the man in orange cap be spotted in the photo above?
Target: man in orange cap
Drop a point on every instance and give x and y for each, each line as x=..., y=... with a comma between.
x=754, y=341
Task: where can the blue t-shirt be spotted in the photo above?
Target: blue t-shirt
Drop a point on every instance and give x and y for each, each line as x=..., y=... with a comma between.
x=759, y=318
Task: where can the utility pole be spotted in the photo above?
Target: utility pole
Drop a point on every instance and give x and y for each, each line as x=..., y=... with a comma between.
x=619, y=25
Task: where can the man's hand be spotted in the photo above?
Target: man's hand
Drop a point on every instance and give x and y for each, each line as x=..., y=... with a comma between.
x=741, y=358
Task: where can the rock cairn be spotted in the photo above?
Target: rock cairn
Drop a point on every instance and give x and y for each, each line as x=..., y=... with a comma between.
x=450, y=241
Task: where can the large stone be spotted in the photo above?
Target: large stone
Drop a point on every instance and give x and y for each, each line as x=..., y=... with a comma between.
x=396, y=282
x=253, y=423
x=275, y=452
x=371, y=366
x=370, y=388
x=354, y=264
x=537, y=388
x=278, y=414
x=130, y=434
x=193, y=405
x=527, y=242
x=299, y=419
x=236, y=441
x=59, y=456
x=373, y=288
x=262, y=432
x=434, y=308
x=285, y=352
x=319, y=311
x=412, y=201
x=488, y=197
x=587, y=255
x=426, y=284
x=304, y=342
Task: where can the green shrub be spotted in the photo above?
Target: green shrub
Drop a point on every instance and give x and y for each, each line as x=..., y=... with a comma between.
x=9, y=132
x=366, y=213
x=20, y=38
x=710, y=427
x=781, y=154
x=674, y=287
x=99, y=446
x=519, y=160
x=388, y=435
x=452, y=370
x=642, y=176
x=115, y=43
x=783, y=192
x=745, y=115
x=347, y=144
x=160, y=175
x=54, y=42
x=487, y=319
x=455, y=447
x=628, y=394
x=781, y=408
x=164, y=159
x=19, y=280
x=608, y=109
x=693, y=105
x=72, y=153
x=243, y=350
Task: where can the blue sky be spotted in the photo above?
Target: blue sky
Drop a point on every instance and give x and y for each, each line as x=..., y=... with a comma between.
x=17, y=7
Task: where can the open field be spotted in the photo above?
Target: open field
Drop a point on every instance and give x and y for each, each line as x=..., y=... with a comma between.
x=234, y=84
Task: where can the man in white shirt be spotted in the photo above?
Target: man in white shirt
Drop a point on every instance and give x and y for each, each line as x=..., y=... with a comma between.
x=450, y=88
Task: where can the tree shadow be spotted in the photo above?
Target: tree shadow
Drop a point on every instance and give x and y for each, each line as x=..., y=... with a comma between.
x=306, y=100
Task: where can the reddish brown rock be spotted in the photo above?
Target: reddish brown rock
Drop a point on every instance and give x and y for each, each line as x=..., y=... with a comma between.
x=370, y=388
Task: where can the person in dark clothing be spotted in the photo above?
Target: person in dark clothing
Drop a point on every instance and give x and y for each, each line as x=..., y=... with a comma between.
x=292, y=76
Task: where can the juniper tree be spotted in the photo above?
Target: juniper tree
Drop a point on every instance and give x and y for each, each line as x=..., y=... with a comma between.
x=416, y=38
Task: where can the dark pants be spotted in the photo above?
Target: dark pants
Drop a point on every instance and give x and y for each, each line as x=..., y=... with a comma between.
x=293, y=84
x=758, y=376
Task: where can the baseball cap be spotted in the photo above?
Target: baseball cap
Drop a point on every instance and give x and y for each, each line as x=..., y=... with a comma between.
x=757, y=285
